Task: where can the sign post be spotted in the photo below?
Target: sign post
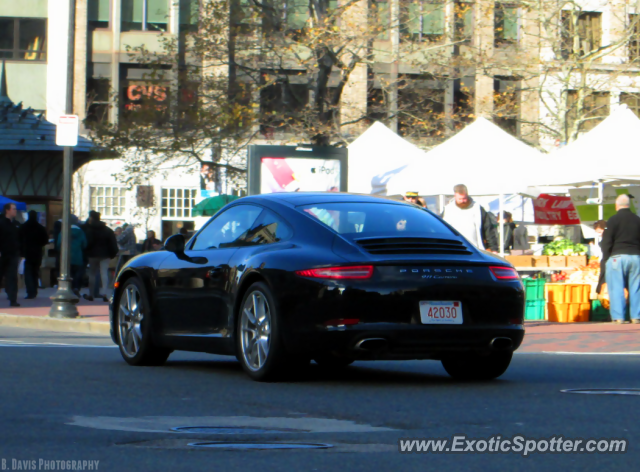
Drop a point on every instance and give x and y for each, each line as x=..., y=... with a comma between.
x=64, y=300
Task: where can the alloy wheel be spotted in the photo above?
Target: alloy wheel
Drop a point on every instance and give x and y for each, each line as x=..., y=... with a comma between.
x=130, y=316
x=255, y=330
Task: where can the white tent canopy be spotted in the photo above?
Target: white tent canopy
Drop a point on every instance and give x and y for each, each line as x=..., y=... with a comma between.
x=608, y=152
x=487, y=159
x=376, y=155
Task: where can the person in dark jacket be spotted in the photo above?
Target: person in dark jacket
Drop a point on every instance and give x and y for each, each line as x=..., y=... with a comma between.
x=621, y=258
x=508, y=233
x=10, y=251
x=33, y=237
x=151, y=243
x=102, y=247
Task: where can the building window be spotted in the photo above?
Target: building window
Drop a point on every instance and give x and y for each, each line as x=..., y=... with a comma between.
x=506, y=104
x=594, y=109
x=189, y=14
x=581, y=33
x=98, y=91
x=463, y=101
x=462, y=21
x=110, y=202
x=505, y=23
x=23, y=39
x=178, y=202
x=381, y=18
x=145, y=15
x=282, y=97
x=420, y=106
x=634, y=41
x=422, y=20
x=99, y=13
x=144, y=100
x=632, y=100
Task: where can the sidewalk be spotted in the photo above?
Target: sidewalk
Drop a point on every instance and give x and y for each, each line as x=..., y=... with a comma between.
x=93, y=316
x=541, y=336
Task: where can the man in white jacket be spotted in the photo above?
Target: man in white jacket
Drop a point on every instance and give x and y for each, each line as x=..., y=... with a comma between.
x=471, y=220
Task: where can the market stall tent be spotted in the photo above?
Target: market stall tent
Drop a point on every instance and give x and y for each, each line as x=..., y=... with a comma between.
x=609, y=152
x=487, y=159
x=377, y=155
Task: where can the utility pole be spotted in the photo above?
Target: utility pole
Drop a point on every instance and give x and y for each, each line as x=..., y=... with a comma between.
x=64, y=300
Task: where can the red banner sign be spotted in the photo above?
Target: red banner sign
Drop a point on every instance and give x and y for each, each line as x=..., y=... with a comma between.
x=553, y=210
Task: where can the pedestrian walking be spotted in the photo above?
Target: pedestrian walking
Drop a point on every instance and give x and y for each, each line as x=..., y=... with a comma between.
x=10, y=251
x=621, y=259
x=33, y=237
x=151, y=243
x=102, y=247
x=471, y=220
x=77, y=247
x=127, y=240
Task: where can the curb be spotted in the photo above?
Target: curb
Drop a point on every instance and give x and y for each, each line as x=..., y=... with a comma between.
x=55, y=324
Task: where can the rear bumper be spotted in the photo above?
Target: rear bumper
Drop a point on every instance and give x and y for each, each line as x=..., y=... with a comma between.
x=396, y=341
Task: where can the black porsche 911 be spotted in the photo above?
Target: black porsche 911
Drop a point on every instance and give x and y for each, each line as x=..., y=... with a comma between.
x=278, y=280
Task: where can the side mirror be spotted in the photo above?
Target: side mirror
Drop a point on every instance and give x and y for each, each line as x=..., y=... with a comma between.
x=175, y=244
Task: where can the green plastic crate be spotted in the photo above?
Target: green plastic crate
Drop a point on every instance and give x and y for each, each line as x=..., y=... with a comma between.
x=534, y=288
x=534, y=309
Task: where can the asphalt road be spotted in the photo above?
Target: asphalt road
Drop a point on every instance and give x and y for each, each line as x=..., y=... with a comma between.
x=70, y=397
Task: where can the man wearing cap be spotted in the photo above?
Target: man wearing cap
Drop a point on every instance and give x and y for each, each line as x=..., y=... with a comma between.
x=471, y=220
x=621, y=258
x=412, y=197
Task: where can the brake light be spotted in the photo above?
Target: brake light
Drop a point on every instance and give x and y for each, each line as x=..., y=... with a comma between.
x=504, y=273
x=348, y=272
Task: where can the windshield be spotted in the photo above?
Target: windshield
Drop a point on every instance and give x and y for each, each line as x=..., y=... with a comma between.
x=371, y=219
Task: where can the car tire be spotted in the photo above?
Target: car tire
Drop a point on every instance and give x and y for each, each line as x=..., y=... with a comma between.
x=260, y=346
x=476, y=367
x=329, y=360
x=133, y=327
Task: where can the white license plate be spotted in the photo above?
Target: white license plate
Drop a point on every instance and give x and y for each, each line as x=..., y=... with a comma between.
x=441, y=312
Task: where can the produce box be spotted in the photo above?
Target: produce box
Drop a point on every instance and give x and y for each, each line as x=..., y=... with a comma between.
x=534, y=288
x=598, y=312
x=576, y=261
x=567, y=293
x=520, y=261
x=557, y=261
x=534, y=310
x=569, y=312
x=540, y=261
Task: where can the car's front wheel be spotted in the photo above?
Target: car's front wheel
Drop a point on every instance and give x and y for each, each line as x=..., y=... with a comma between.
x=477, y=367
x=134, y=327
x=259, y=336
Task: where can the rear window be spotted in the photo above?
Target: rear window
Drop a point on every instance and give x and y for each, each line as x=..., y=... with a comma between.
x=369, y=219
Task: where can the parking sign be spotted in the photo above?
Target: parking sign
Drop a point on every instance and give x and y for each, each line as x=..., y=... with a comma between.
x=67, y=130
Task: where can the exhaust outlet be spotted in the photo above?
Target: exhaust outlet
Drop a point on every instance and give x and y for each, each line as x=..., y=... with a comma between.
x=501, y=344
x=372, y=344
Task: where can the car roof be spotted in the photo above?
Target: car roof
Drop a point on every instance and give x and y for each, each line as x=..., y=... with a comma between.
x=309, y=198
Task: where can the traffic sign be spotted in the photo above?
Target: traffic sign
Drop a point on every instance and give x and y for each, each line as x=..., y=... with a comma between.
x=67, y=130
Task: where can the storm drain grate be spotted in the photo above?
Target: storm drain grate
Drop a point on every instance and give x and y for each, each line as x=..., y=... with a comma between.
x=232, y=430
x=260, y=445
x=604, y=391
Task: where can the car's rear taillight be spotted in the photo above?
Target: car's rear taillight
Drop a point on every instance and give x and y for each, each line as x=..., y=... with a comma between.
x=504, y=273
x=345, y=272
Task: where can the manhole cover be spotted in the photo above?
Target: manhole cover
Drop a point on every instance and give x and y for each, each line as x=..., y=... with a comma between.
x=260, y=445
x=232, y=430
x=604, y=391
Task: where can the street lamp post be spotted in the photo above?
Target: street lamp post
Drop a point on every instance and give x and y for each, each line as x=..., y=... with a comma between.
x=64, y=300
